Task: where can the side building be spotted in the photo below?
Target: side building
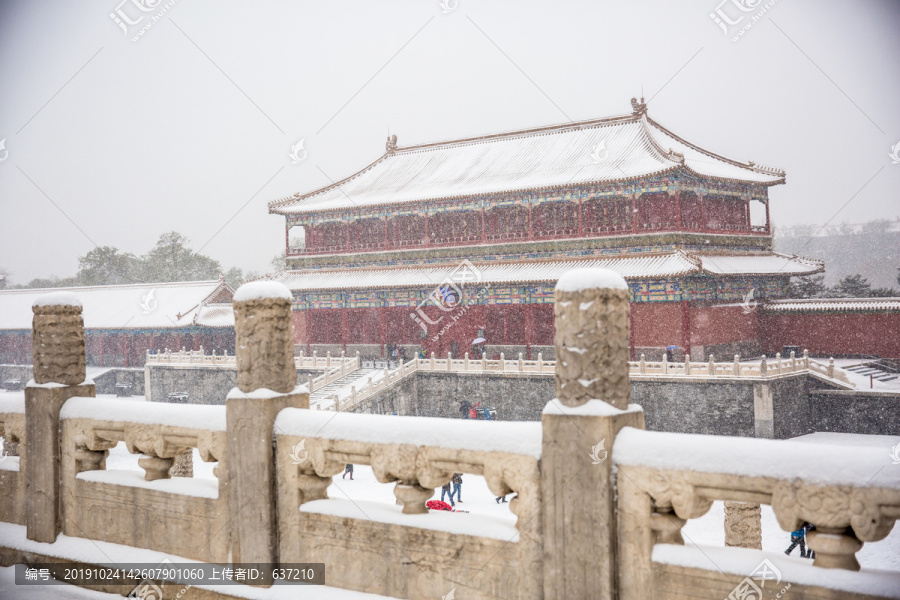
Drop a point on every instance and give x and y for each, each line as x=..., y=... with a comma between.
x=434, y=245
x=124, y=322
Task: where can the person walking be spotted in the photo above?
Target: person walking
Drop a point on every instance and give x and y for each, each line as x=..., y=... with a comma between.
x=445, y=489
x=348, y=469
x=798, y=538
x=457, y=487
x=464, y=407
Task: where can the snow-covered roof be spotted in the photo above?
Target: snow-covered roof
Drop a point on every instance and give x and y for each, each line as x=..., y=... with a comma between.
x=631, y=267
x=132, y=306
x=835, y=305
x=601, y=150
x=759, y=264
x=215, y=315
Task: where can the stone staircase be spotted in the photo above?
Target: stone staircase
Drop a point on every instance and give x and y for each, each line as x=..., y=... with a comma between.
x=878, y=371
x=341, y=386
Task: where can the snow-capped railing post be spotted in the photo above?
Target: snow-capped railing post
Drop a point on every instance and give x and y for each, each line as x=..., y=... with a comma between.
x=266, y=384
x=737, y=365
x=687, y=364
x=712, y=366
x=328, y=358
x=521, y=363
x=502, y=362
x=831, y=367
x=763, y=368
x=806, y=359
x=466, y=361
x=483, y=362
x=793, y=362
x=664, y=365
x=642, y=365
x=449, y=361
x=432, y=361
x=778, y=363
x=591, y=406
x=58, y=354
x=540, y=362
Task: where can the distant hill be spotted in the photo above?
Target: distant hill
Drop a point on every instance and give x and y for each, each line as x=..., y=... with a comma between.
x=871, y=249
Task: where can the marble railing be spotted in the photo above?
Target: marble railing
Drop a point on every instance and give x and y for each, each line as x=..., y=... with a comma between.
x=312, y=446
x=851, y=495
x=149, y=510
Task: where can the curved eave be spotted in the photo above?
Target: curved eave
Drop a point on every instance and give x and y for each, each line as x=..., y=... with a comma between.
x=672, y=169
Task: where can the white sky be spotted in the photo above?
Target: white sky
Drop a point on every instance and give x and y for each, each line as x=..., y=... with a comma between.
x=183, y=128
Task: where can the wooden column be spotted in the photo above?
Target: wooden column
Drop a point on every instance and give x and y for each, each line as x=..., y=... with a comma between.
x=381, y=341
x=580, y=220
x=686, y=326
x=287, y=238
x=768, y=228
x=678, y=221
x=483, y=229
x=633, y=213
x=100, y=335
x=345, y=329
x=530, y=227
x=347, y=237
x=702, y=213
x=385, y=232
x=747, y=214
x=427, y=230
x=529, y=328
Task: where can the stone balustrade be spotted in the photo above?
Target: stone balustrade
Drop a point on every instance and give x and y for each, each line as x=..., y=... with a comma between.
x=851, y=495
x=316, y=446
x=599, y=503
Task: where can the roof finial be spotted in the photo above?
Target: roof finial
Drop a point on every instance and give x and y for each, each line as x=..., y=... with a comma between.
x=638, y=108
x=391, y=144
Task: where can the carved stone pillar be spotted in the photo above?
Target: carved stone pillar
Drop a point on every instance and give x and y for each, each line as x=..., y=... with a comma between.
x=58, y=351
x=265, y=350
x=592, y=334
x=58, y=340
x=592, y=349
x=266, y=378
x=184, y=465
x=743, y=527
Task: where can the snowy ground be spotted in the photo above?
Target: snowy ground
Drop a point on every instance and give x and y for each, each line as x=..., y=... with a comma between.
x=862, y=382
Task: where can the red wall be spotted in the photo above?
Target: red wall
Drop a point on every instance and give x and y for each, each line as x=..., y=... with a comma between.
x=722, y=324
x=656, y=324
x=835, y=333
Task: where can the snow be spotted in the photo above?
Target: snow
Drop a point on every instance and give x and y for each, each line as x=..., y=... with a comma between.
x=487, y=436
x=257, y=290
x=57, y=299
x=365, y=497
x=783, y=459
x=379, y=512
x=133, y=306
x=709, y=530
x=592, y=408
x=9, y=463
x=578, y=280
x=195, y=416
x=13, y=404
x=187, y=486
x=744, y=561
x=31, y=383
x=264, y=393
x=849, y=439
x=99, y=553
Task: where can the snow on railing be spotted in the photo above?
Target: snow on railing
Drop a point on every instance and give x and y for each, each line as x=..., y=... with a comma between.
x=665, y=479
x=198, y=357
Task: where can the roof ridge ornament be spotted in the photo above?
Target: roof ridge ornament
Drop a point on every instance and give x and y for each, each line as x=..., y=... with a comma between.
x=638, y=108
x=678, y=156
x=391, y=145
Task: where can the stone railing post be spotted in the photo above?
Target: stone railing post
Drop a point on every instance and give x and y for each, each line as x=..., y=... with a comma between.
x=642, y=365
x=665, y=364
x=778, y=363
x=831, y=367
x=579, y=427
x=737, y=365
x=793, y=362
x=763, y=367
x=687, y=364
x=806, y=359
x=521, y=363
x=540, y=362
x=466, y=361
x=449, y=361
x=59, y=374
x=266, y=381
x=743, y=525
x=712, y=366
